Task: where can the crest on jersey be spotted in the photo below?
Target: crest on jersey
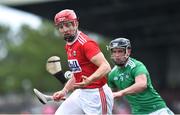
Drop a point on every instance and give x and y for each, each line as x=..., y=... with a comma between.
x=74, y=65
x=74, y=53
x=115, y=78
x=121, y=77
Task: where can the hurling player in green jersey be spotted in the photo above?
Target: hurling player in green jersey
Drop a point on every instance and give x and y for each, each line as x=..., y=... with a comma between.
x=132, y=79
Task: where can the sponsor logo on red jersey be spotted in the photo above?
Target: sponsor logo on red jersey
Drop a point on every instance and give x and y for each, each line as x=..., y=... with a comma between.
x=74, y=65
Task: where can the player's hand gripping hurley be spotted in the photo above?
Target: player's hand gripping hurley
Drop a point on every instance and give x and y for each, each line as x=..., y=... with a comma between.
x=43, y=98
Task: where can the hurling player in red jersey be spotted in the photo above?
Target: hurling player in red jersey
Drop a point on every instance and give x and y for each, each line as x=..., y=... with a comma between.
x=89, y=66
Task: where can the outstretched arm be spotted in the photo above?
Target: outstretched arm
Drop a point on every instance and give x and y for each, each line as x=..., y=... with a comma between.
x=62, y=93
x=103, y=68
x=139, y=86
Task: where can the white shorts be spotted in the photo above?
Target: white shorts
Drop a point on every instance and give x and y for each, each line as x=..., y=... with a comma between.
x=163, y=111
x=88, y=101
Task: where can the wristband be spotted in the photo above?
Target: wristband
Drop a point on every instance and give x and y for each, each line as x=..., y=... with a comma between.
x=65, y=91
x=60, y=76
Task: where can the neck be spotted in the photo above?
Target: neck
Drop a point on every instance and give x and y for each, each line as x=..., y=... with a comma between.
x=75, y=38
x=124, y=64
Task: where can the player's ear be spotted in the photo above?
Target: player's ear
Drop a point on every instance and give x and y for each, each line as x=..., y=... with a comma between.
x=129, y=52
x=77, y=23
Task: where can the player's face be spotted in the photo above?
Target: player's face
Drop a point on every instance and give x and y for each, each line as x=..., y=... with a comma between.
x=68, y=28
x=118, y=55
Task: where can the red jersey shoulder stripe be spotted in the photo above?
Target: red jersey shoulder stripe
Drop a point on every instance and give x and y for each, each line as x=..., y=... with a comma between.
x=81, y=39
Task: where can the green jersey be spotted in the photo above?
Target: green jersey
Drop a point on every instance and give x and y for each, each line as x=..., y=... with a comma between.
x=141, y=103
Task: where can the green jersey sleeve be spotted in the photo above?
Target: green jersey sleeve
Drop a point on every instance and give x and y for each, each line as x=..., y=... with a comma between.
x=110, y=79
x=140, y=69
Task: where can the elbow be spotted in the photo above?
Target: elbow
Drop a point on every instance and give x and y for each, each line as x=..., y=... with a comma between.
x=107, y=68
x=143, y=86
x=141, y=82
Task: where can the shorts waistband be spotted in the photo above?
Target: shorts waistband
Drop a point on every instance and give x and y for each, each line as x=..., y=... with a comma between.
x=94, y=89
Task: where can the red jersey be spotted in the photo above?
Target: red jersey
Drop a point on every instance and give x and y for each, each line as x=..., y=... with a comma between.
x=79, y=54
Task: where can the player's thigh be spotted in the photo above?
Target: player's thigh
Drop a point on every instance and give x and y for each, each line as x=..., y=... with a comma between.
x=163, y=111
x=70, y=106
x=109, y=99
x=166, y=111
x=97, y=102
x=91, y=103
